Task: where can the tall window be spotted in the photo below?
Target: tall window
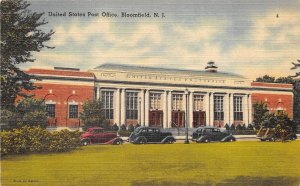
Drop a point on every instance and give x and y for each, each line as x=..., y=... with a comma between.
x=219, y=108
x=198, y=102
x=177, y=101
x=107, y=98
x=73, y=111
x=50, y=108
x=155, y=101
x=131, y=105
x=238, y=108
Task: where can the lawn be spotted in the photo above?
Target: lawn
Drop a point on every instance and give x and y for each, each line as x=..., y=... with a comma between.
x=253, y=163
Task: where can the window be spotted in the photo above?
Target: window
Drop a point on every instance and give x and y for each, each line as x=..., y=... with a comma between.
x=237, y=108
x=107, y=98
x=73, y=111
x=198, y=102
x=155, y=101
x=131, y=105
x=218, y=108
x=50, y=108
x=177, y=101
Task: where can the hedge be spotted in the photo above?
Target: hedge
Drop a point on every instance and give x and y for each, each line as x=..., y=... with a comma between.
x=35, y=139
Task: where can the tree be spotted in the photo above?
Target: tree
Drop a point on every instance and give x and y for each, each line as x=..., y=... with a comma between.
x=287, y=80
x=20, y=36
x=31, y=112
x=260, y=109
x=92, y=114
x=283, y=126
x=296, y=65
x=266, y=79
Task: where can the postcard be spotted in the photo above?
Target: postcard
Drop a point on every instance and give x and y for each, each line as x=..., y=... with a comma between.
x=139, y=92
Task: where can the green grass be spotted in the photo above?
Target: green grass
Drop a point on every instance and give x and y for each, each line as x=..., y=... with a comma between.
x=253, y=163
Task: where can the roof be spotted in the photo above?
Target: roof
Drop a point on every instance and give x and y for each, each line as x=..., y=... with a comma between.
x=271, y=85
x=122, y=67
x=60, y=73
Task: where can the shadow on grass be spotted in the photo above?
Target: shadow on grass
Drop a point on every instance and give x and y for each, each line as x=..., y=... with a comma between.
x=238, y=181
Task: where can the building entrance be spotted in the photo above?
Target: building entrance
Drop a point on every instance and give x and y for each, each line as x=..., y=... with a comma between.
x=156, y=118
x=178, y=118
x=198, y=118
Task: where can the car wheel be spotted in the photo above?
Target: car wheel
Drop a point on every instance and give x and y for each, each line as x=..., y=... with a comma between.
x=231, y=140
x=118, y=142
x=171, y=141
x=272, y=139
x=141, y=141
x=85, y=142
x=206, y=140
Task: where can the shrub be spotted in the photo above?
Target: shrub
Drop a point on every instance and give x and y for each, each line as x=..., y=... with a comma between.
x=36, y=139
x=239, y=127
x=123, y=127
x=115, y=127
x=124, y=133
x=232, y=127
x=227, y=126
x=130, y=128
x=244, y=127
x=250, y=127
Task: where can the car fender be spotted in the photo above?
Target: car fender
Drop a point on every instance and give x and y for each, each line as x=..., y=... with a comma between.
x=202, y=139
x=85, y=139
x=228, y=138
x=168, y=138
x=114, y=141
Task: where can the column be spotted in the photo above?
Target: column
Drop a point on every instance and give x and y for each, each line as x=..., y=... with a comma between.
x=231, y=119
x=250, y=109
x=165, y=109
x=117, y=110
x=207, y=109
x=123, y=106
x=98, y=93
x=226, y=109
x=169, y=124
x=211, y=103
x=142, y=95
x=147, y=108
x=191, y=109
x=245, y=109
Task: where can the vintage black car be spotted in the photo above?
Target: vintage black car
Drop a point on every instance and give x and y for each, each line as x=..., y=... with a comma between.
x=208, y=134
x=142, y=135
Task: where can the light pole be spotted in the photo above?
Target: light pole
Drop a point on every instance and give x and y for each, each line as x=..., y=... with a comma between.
x=186, y=124
x=140, y=111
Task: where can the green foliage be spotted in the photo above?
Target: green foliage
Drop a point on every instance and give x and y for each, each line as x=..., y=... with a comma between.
x=130, y=128
x=239, y=127
x=32, y=112
x=259, y=111
x=232, y=127
x=35, y=139
x=123, y=127
x=227, y=126
x=250, y=127
x=92, y=114
x=28, y=111
x=124, y=133
x=283, y=125
x=20, y=36
x=266, y=79
x=115, y=127
x=8, y=119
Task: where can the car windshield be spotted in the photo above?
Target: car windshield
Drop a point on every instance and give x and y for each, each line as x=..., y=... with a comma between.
x=137, y=130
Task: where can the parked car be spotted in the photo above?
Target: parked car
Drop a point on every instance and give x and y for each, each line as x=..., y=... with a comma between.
x=142, y=135
x=208, y=134
x=268, y=134
x=98, y=135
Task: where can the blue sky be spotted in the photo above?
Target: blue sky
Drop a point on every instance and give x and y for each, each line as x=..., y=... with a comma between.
x=243, y=37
